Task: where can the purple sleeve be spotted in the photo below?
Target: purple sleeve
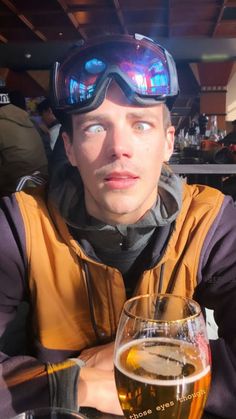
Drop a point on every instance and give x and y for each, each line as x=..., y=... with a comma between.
x=217, y=291
x=23, y=379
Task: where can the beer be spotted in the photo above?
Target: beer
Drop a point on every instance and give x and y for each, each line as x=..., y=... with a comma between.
x=161, y=378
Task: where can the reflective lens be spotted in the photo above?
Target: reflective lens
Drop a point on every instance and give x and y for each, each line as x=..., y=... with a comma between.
x=141, y=65
x=148, y=79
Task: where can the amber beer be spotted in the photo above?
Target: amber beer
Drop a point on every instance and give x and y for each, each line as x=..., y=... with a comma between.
x=161, y=378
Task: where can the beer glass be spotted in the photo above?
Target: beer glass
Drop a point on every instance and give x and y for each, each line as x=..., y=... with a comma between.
x=162, y=358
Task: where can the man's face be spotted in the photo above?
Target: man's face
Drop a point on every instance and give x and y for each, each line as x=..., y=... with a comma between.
x=48, y=117
x=119, y=150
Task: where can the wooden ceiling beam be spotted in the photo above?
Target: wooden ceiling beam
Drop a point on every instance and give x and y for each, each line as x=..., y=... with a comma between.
x=72, y=18
x=24, y=19
x=120, y=16
x=230, y=3
x=3, y=39
x=73, y=8
x=219, y=17
x=143, y=8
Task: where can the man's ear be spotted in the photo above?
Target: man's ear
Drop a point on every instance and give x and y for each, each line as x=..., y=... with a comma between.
x=69, y=148
x=169, y=143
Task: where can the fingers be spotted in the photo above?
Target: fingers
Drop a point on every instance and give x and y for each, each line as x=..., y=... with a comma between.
x=97, y=389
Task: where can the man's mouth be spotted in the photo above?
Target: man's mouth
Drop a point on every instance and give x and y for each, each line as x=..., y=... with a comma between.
x=121, y=180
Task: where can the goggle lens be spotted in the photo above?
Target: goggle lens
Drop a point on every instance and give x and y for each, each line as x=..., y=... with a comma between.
x=152, y=80
x=143, y=67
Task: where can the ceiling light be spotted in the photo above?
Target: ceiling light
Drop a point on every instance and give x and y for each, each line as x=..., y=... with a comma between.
x=215, y=57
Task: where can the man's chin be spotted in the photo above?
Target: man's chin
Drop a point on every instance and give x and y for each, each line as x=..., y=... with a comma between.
x=121, y=213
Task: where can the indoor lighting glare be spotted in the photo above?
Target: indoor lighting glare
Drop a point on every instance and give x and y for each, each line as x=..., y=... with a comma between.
x=215, y=57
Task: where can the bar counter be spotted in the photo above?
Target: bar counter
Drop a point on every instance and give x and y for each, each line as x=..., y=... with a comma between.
x=204, y=168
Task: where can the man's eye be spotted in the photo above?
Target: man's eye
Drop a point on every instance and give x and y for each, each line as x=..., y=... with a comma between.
x=96, y=128
x=142, y=126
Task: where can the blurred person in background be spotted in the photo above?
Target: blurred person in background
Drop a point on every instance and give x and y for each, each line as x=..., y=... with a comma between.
x=21, y=149
x=230, y=138
x=45, y=111
x=229, y=141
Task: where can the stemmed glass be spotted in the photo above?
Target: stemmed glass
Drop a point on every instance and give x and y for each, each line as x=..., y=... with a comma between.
x=162, y=358
x=50, y=413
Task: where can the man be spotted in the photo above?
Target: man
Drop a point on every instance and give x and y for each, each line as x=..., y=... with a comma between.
x=51, y=123
x=113, y=222
x=21, y=149
x=230, y=138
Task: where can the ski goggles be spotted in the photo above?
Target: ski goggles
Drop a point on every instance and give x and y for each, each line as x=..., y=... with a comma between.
x=144, y=70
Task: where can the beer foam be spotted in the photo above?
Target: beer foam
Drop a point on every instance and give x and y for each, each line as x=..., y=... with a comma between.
x=162, y=368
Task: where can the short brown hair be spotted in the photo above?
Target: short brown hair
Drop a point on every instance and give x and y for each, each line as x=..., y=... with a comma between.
x=166, y=117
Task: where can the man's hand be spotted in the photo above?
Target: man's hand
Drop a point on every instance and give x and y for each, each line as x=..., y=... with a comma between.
x=99, y=357
x=97, y=389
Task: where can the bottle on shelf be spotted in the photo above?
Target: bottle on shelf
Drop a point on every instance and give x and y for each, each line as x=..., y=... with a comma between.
x=203, y=122
x=210, y=144
x=213, y=134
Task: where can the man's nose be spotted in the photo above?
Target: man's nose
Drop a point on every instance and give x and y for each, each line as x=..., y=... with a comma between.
x=120, y=143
